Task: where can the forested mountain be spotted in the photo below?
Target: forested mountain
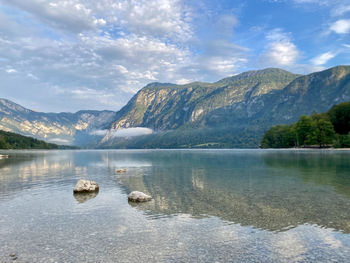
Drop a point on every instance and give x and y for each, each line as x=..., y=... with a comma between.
x=234, y=112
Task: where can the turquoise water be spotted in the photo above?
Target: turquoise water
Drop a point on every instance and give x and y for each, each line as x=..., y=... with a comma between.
x=208, y=206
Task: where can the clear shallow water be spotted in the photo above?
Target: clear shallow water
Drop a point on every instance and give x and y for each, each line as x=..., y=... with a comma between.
x=208, y=206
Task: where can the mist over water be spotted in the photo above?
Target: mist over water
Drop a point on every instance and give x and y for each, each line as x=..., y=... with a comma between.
x=208, y=205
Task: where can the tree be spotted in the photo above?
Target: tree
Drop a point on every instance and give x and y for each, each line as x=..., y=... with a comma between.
x=323, y=132
x=280, y=136
x=303, y=129
x=342, y=141
x=3, y=143
x=340, y=117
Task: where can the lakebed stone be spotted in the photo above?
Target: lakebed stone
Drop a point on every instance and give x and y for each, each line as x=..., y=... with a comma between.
x=137, y=196
x=85, y=186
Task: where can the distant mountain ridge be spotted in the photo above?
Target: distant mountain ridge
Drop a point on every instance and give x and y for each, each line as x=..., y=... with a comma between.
x=52, y=127
x=232, y=112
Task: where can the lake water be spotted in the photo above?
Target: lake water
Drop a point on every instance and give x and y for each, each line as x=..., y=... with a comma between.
x=208, y=206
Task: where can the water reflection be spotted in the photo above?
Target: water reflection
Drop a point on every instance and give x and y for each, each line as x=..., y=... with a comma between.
x=265, y=190
x=83, y=197
x=323, y=168
x=208, y=206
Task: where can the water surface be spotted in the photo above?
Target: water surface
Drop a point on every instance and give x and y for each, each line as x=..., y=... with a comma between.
x=208, y=206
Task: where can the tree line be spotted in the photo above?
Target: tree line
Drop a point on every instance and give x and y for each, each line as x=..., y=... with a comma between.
x=327, y=129
x=10, y=140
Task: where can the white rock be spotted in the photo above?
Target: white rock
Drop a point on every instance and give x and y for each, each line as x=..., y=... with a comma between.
x=137, y=196
x=85, y=186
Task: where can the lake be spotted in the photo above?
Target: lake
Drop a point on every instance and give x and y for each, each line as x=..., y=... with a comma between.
x=208, y=206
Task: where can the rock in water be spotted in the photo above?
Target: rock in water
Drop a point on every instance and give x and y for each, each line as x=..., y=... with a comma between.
x=85, y=186
x=136, y=196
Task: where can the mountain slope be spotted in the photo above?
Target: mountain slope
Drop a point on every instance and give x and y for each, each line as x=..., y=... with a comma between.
x=242, y=106
x=53, y=127
x=169, y=106
x=316, y=92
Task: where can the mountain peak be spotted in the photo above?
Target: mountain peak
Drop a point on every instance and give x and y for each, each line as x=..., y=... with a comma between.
x=263, y=74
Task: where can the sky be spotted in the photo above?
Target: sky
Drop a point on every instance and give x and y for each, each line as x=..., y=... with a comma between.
x=70, y=55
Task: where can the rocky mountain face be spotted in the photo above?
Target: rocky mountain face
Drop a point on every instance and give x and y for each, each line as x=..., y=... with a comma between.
x=168, y=106
x=244, y=104
x=61, y=128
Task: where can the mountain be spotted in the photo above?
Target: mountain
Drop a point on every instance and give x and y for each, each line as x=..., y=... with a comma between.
x=233, y=112
x=169, y=106
x=61, y=128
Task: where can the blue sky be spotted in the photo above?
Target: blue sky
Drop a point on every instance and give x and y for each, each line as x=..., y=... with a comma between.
x=67, y=55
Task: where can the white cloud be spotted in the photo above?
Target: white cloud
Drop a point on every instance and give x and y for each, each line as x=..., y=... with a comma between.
x=282, y=53
x=131, y=132
x=60, y=141
x=163, y=18
x=183, y=81
x=280, y=50
x=70, y=15
x=98, y=66
x=157, y=18
x=341, y=26
x=11, y=70
x=99, y=132
x=323, y=58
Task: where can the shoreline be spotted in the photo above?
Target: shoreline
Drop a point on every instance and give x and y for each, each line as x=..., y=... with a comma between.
x=4, y=156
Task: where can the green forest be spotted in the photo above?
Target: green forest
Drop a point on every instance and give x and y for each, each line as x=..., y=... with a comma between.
x=329, y=129
x=9, y=140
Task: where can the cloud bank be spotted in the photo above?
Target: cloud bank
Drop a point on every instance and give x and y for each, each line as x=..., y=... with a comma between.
x=122, y=133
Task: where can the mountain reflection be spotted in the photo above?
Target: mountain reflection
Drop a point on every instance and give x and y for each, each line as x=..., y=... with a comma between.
x=32, y=169
x=270, y=191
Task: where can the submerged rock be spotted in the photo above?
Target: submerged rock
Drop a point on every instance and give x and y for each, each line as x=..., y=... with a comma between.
x=85, y=186
x=137, y=196
x=120, y=170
